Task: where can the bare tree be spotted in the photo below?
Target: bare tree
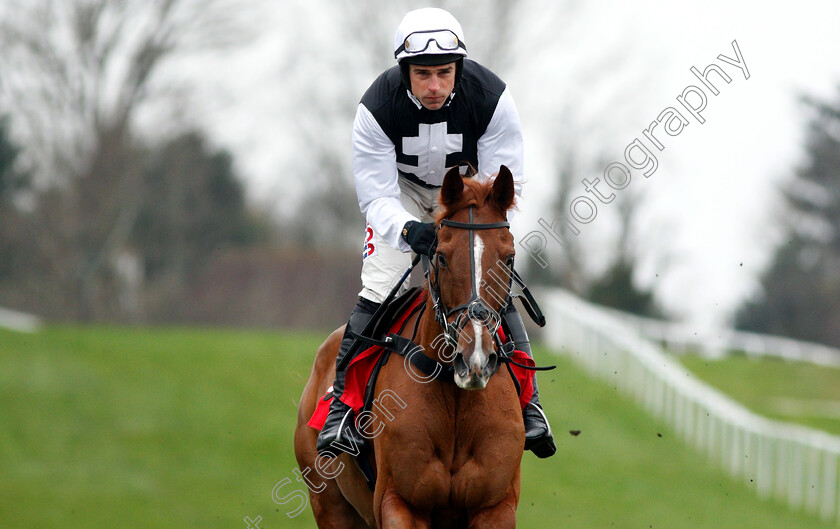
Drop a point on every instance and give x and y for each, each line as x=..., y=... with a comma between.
x=76, y=74
x=587, y=130
x=77, y=71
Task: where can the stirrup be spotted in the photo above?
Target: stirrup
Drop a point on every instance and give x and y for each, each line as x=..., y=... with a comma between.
x=542, y=446
x=344, y=433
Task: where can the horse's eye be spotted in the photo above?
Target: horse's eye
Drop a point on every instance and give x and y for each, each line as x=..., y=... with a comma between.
x=441, y=260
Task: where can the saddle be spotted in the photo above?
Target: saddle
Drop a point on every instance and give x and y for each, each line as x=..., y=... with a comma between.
x=363, y=368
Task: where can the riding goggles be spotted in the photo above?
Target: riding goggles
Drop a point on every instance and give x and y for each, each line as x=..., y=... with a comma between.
x=419, y=41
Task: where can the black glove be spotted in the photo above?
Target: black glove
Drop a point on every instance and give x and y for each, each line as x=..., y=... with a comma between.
x=421, y=236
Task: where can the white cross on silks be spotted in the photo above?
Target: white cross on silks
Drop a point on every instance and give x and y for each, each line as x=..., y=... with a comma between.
x=431, y=147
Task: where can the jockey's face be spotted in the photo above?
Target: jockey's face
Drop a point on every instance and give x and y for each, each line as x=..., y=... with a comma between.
x=432, y=84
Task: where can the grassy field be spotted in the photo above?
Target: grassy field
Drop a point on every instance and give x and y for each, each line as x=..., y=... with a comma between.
x=797, y=392
x=163, y=428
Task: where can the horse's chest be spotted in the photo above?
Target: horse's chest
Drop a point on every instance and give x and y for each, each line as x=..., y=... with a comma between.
x=462, y=463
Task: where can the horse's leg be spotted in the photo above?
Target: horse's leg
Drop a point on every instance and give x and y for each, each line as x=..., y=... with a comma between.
x=330, y=507
x=332, y=511
x=395, y=513
x=500, y=516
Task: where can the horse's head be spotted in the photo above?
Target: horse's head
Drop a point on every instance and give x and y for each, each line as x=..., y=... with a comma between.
x=471, y=272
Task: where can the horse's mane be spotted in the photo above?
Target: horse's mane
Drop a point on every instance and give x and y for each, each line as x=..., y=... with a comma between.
x=475, y=193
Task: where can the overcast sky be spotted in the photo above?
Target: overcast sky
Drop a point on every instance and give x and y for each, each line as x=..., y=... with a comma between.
x=711, y=210
x=714, y=189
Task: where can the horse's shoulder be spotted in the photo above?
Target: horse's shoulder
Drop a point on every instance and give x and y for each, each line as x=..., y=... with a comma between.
x=324, y=364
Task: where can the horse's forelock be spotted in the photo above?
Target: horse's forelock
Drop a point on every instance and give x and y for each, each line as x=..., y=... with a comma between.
x=475, y=193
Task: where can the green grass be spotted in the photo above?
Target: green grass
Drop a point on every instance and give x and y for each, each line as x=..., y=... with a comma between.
x=163, y=428
x=797, y=392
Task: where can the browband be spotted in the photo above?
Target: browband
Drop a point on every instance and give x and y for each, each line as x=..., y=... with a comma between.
x=471, y=226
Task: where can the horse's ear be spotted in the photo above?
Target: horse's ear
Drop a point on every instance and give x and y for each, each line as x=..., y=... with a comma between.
x=503, y=189
x=452, y=188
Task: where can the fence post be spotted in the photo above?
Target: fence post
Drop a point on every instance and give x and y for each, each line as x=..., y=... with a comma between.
x=829, y=496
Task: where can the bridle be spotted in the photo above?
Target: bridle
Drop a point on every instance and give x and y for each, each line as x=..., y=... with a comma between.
x=475, y=309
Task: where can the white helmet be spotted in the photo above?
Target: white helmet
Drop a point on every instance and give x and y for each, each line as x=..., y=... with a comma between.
x=429, y=36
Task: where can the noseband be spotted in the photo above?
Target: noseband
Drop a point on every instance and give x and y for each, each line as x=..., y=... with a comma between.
x=475, y=308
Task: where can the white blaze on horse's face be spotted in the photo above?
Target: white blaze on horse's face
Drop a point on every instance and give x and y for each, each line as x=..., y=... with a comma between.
x=476, y=347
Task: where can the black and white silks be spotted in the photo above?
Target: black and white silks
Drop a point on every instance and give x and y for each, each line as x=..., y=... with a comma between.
x=395, y=137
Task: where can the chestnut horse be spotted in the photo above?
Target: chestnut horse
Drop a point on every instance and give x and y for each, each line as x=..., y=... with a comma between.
x=444, y=456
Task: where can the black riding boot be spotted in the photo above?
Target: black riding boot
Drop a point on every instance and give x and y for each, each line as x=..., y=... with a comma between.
x=339, y=423
x=538, y=436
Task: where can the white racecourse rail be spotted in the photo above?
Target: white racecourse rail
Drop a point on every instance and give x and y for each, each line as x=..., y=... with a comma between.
x=795, y=464
x=679, y=338
x=19, y=321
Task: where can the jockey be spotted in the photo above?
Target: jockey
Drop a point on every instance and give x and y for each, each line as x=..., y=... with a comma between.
x=434, y=110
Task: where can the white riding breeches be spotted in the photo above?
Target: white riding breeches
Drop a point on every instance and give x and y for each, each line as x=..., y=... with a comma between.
x=382, y=265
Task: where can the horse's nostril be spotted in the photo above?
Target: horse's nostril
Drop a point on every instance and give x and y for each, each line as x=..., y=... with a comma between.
x=490, y=366
x=460, y=365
